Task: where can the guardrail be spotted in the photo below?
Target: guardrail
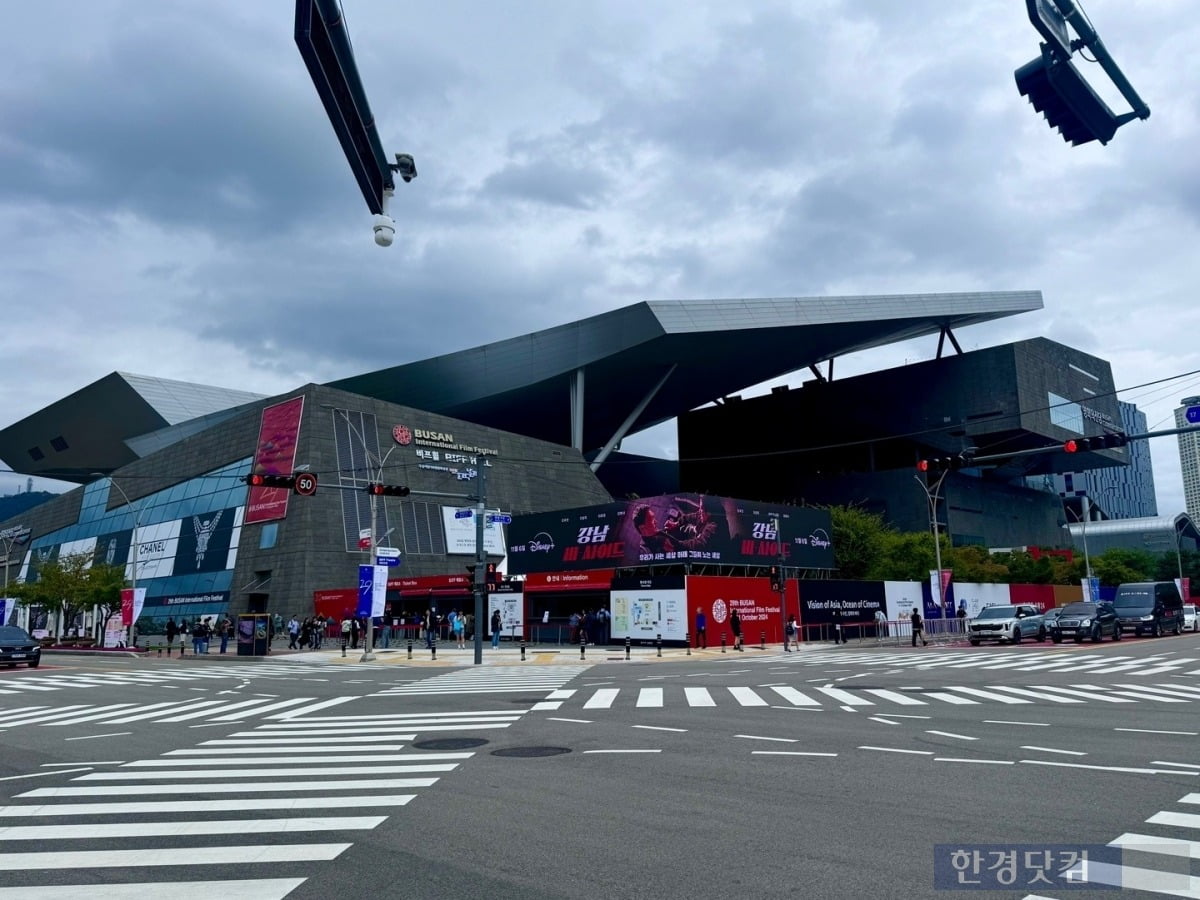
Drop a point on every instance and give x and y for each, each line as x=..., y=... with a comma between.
x=894, y=632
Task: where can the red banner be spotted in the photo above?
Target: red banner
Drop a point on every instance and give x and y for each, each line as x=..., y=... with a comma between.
x=278, y=433
x=757, y=605
x=593, y=580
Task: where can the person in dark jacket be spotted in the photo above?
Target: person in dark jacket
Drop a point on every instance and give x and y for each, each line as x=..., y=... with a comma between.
x=918, y=628
x=735, y=625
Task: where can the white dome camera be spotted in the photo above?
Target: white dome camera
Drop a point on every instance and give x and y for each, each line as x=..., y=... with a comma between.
x=385, y=230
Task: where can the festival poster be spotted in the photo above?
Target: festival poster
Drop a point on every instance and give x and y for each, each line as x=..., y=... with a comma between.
x=278, y=434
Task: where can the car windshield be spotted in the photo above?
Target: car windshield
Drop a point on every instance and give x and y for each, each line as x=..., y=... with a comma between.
x=996, y=612
x=1134, y=598
x=13, y=633
x=1079, y=609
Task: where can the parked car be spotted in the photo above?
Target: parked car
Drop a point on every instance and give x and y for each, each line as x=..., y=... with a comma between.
x=1191, y=620
x=1050, y=616
x=1152, y=607
x=1006, y=623
x=18, y=646
x=1086, y=620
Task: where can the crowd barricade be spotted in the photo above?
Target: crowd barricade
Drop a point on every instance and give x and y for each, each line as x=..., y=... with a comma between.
x=891, y=633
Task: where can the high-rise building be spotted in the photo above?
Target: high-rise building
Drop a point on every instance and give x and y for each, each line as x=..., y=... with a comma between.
x=1115, y=492
x=1189, y=457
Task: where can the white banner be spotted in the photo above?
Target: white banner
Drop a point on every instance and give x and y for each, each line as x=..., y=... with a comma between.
x=156, y=547
x=460, y=534
x=378, y=590
x=645, y=614
x=900, y=597
x=977, y=597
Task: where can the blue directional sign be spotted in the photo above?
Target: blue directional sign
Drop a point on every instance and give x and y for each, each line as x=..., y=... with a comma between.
x=462, y=514
x=501, y=518
x=1192, y=414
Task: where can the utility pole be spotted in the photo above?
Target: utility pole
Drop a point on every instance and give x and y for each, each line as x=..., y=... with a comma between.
x=480, y=563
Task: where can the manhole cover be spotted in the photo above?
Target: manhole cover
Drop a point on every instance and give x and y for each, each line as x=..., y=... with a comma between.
x=450, y=744
x=528, y=752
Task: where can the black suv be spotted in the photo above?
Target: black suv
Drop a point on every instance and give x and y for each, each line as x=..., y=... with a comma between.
x=1086, y=620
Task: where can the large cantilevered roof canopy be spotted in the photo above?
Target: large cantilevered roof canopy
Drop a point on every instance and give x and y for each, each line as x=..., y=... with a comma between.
x=591, y=382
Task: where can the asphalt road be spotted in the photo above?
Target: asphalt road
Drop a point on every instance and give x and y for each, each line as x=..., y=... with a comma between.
x=827, y=773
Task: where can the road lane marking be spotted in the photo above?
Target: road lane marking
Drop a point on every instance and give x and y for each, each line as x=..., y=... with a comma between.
x=788, y=753
x=882, y=721
x=575, y=721
x=795, y=697
x=168, y=856
x=622, y=751
x=242, y=889
x=698, y=696
x=40, y=774
x=1153, y=731
x=898, y=750
x=746, y=696
x=1128, y=769
x=660, y=728
x=951, y=734
x=650, y=698
x=186, y=828
x=759, y=737
x=984, y=762
x=1053, y=750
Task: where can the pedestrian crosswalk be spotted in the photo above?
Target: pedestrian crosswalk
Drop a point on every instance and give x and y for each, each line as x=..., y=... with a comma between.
x=845, y=697
x=192, y=710
x=58, y=681
x=1157, y=859
x=490, y=680
x=227, y=806
x=1003, y=659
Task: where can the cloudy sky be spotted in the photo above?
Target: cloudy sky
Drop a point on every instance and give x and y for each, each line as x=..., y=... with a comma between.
x=173, y=201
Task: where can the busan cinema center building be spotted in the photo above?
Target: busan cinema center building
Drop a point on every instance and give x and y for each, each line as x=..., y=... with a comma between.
x=531, y=423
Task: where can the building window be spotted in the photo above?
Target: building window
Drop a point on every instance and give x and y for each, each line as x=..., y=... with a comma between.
x=59, y=443
x=268, y=536
x=36, y=454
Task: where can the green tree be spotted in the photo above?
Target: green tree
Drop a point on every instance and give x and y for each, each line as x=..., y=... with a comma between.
x=71, y=585
x=859, y=538
x=1117, y=565
x=1024, y=569
x=974, y=565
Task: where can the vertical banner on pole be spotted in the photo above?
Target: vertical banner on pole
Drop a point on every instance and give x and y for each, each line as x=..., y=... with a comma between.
x=132, y=602
x=378, y=590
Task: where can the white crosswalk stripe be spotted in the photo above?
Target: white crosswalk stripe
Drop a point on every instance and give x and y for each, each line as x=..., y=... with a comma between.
x=170, y=711
x=489, y=680
x=153, y=807
x=1000, y=659
x=828, y=696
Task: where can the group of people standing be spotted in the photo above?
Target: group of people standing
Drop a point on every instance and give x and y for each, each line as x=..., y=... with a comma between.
x=308, y=634
x=590, y=626
x=201, y=631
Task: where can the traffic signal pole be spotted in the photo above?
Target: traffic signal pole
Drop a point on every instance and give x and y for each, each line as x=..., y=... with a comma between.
x=480, y=565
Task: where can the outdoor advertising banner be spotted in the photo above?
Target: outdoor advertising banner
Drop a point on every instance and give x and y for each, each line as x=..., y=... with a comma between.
x=854, y=601
x=673, y=528
x=112, y=548
x=156, y=546
x=512, y=614
x=757, y=606
x=901, y=597
x=204, y=542
x=645, y=609
x=278, y=433
x=460, y=534
x=976, y=597
x=132, y=601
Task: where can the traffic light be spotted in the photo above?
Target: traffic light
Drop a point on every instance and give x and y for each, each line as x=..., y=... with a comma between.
x=1099, y=442
x=776, y=579
x=944, y=463
x=493, y=576
x=387, y=490
x=256, y=479
x=1057, y=90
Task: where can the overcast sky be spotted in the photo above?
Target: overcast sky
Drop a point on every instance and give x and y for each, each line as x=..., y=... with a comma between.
x=173, y=201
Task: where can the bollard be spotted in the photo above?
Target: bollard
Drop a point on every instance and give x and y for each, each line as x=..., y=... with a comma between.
x=762, y=640
x=627, y=648
x=582, y=644
x=410, y=648
x=522, y=650
x=658, y=645
x=433, y=646
x=160, y=649
x=343, y=649
x=722, y=642
x=687, y=639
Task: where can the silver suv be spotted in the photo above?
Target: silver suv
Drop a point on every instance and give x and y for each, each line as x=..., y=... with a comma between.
x=1007, y=623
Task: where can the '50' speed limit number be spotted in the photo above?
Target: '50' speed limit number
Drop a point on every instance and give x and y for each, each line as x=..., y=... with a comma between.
x=306, y=484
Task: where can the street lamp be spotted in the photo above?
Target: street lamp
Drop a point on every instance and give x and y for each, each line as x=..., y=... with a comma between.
x=1082, y=519
x=9, y=538
x=782, y=586
x=134, y=547
x=377, y=478
x=932, y=498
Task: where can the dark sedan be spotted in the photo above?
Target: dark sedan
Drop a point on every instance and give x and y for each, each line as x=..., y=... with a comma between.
x=1086, y=620
x=18, y=646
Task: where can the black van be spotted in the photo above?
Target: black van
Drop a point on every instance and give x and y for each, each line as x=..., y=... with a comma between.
x=1149, y=607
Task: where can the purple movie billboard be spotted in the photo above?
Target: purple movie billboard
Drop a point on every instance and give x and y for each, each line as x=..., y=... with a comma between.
x=673, y=528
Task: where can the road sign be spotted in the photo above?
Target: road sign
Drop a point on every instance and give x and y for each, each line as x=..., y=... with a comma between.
x=1193, y=415
x=463, y=513
x=387, y=552
x=1048, y=19
x=501, y=518
x=306, y=484
x=387, y=561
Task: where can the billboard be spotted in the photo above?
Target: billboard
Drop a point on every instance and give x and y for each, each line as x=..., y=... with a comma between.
x=673, y=528
x=644, y=609
x=278, y=432
x=461, y=533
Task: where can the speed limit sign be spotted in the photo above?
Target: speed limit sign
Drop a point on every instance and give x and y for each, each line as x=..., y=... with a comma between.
x=306, y=484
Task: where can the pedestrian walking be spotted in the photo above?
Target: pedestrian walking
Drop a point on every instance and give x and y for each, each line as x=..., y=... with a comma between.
x=225, y=629
x=918, y=628
x=293, y=630
x=735, y=625
x=789, y=634
x=701, y=629
x=346, y=628
x=496, y=624
x=172, y=631
x=880, y=625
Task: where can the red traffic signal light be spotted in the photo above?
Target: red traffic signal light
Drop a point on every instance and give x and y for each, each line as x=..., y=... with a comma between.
x=258, y=479
x=492, y=576
x=1071, y=447
x=776, y=578
x=387, y=490
x=923, y=465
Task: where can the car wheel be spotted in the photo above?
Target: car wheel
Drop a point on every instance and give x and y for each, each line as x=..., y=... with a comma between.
x=1095, y=634
x=1041, y=635
x=1155, y=631
x=973, y=642
x=1057, y=638
x=34, y=663
x=1178, y=628
x=1016, y=635
x=1116, y=632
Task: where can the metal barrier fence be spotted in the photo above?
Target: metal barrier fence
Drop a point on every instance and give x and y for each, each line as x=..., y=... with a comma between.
x=893, y=633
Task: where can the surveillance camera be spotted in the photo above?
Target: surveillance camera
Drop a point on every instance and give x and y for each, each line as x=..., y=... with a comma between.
x=406, y=167
x=385, y=230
